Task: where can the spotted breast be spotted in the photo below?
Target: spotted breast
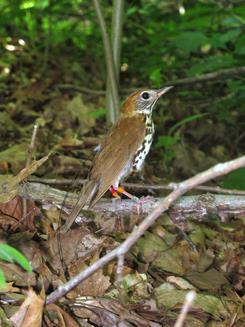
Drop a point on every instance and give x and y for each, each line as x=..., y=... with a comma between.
x=143, y=150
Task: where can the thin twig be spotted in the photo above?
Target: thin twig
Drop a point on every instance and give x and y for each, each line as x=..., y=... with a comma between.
x=80, y=89
x=190, y=297
x=31, y=146
x=28, y=161
x=173, y=186
x=220, y=74
x=120, y=265
x=183, y=187
x=135, y=186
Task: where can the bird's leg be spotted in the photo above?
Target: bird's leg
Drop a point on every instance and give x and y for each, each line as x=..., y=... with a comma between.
x=127, y=194
x=120, y=190
x=114, y=192
x=138, y=202
x=115, y=196
x=138, y=205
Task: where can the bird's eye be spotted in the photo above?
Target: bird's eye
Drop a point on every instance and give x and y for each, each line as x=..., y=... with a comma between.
x=145, y=95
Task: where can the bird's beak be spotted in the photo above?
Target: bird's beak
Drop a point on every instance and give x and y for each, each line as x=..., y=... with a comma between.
x=163, y=91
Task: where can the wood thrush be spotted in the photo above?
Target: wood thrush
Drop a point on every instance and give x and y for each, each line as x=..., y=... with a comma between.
x=123, y=150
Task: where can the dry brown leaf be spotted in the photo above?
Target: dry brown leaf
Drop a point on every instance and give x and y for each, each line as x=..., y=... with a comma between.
x=9, y=288
x=4, y=166
x=79, y=245
x=64, y=319
x=108, y=313
x=34, y=91
x=12, y=215
x=76, y=244
x=9, y=184
x=30, y=312
x=95, y=285
x=13, y=273
x=81, y=112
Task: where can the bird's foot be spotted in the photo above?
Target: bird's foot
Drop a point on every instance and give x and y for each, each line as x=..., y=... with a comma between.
x=120, y=190
x=116, y=201
x=140, y=205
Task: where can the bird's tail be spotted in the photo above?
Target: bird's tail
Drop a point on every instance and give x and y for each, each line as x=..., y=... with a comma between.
x=86, y=196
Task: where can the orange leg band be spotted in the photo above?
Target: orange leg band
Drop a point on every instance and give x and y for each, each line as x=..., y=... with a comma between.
x=120, y=189
x=113, y=192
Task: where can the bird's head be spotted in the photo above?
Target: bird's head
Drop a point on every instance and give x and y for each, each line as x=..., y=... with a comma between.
x=142, y=101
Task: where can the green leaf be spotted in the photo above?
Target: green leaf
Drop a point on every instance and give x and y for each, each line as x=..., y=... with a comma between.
x=235, y=180
x=10, y=254
x=166, y=141
x=98, y=113
x=230, y=36
x=186, y=120
x=240, y=51
x=190, y=41
x=155, y=77
x=208, y=280
x=236, y=86
x=2, y=280
x=27, y=4
x=211, y=63
x=15, y=152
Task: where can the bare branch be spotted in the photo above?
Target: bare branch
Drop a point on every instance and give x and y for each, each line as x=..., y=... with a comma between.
x=81, y=89
x=135, y=186
x=196, y=206
x=223, y=73
x=220, y=74
x=214, y=172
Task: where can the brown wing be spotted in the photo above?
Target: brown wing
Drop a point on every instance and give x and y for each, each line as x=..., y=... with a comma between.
x=117, y=151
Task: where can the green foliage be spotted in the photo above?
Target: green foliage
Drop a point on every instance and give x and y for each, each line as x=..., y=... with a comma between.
x=235, y=180
x=155, y=77
x=166, y=143
x=208, y=31
x=98, y=113
x=16, y=152
x=190, y=41
x=10, y=254
x=2, y=279
x=186, y=120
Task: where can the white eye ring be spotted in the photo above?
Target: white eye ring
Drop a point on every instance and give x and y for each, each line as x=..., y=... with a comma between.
x=145, y=95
